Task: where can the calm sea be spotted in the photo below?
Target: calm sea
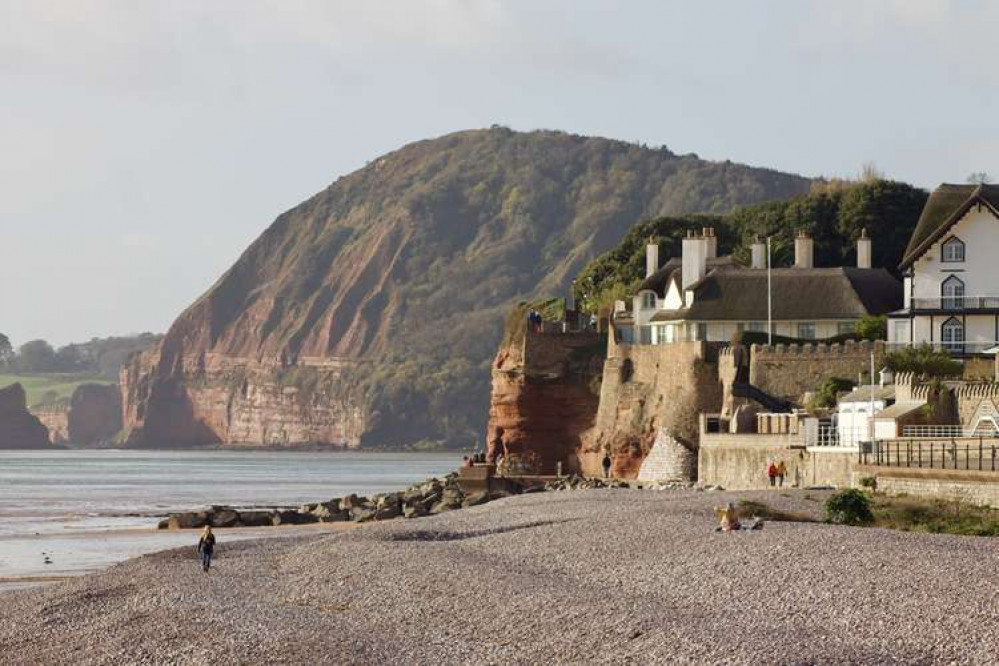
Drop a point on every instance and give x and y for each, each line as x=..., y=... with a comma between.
x=82, y=510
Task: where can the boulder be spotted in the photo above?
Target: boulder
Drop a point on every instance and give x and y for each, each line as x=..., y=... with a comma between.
x=387, y=511
x=360, y=514
x=474, y=499
x=188, y=520
x=163, y=524
x=440, y=507
x=224, y=518
x=292, y=517
x=415, y=510
x=256, y=518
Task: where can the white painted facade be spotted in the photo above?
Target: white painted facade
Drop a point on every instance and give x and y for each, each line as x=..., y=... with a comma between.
x=953, y=297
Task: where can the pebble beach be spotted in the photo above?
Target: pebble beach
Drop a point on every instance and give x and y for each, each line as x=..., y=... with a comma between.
x=586, y=576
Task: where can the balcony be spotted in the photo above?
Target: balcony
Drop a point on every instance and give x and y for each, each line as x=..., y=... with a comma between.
x=956, y=304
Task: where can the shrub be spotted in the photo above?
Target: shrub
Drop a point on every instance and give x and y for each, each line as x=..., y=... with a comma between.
x=869, y=482
x=923, y=360
x=829, y=391
x=849, y=507
x=872, y=327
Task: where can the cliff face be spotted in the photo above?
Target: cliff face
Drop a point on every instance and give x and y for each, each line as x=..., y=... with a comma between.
x=369, y=312
x=19, y=429
x=544, y=397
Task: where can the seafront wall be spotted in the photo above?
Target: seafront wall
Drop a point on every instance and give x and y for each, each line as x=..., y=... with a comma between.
x=739, y=462
x=981, y=488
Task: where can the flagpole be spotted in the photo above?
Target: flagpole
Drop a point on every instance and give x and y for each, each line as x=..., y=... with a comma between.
x=770, y=314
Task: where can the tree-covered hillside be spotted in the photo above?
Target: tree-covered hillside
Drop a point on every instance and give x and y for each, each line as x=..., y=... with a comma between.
x=409, y=265
x=834, y=213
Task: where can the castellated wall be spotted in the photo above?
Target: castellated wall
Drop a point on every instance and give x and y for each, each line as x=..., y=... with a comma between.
x=788, y=371
x=647, y=387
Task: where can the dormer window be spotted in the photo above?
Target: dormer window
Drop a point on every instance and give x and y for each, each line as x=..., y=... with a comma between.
x=953, y=250
x=648, y=300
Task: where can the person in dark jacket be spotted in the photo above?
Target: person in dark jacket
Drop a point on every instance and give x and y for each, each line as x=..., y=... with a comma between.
x=206, y=548
x=607, y=465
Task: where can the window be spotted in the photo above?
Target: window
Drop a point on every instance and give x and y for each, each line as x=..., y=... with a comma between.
x=952, y=334
x=648, y=300
x=953, y=250
x=844, y=327
x=702, y=331
x=806, y=330
x=952, y=291
x=757, y=326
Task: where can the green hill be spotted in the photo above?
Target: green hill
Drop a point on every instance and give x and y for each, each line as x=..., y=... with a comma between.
x=403, y=270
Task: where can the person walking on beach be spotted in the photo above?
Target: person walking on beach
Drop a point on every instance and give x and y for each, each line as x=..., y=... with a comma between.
x=772, y=473
x=607, y=465
x=781, y=472
x=206, y=547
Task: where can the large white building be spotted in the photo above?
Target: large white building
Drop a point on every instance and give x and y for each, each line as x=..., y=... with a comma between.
x=701, y=296
x=951, y=273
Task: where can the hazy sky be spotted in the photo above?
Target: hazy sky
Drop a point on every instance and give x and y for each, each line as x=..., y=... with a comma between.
x=144, y=145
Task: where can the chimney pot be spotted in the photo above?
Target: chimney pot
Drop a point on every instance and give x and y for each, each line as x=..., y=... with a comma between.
x=863, y=250
x=804, y=250
x=758, y=251
x=651, y=258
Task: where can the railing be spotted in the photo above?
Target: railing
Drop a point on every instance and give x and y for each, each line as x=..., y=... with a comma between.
x=968, y=454
x=933, y=431
x=957, y=348
x=956, y=303
x=831, y=435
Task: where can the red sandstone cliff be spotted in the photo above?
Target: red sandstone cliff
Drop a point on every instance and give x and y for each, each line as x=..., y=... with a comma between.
x=544, y=396
x=19, y=429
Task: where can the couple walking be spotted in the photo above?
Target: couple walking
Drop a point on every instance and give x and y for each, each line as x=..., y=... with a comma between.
x=776, y=471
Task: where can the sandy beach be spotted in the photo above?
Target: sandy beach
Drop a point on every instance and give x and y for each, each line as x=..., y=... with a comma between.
x=599, y=576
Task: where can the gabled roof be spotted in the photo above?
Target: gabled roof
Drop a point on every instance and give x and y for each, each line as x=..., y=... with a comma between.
x=945, y=207
x=740, y=294
x=673, y=269
x=863, y=393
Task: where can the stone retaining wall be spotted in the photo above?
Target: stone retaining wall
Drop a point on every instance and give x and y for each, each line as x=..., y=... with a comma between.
x=739, y=462
x=980, y=488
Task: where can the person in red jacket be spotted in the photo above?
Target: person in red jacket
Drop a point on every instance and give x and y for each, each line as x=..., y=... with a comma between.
x=772, y=473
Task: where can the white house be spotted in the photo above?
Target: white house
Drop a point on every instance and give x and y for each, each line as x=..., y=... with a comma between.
x=701, y=296
x=951, y=273
x=853, y=412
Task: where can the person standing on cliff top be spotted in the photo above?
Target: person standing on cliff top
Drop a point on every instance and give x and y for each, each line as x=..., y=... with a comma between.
x=607, y=465
x=206, y=548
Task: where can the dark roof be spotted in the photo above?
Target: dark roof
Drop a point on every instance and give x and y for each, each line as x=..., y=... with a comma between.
x=943, y=209
x=798, y=293
x=673, y=268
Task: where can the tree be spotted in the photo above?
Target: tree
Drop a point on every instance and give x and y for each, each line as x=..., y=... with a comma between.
x=979, y=178
x=923, y=360
x=36, y=356
x=6, y=351
x=872, y=327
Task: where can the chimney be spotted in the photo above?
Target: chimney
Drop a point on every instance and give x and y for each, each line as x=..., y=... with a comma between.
x=712, y=242
x=759, y=253
x=694, y=254
x=863, y=250
x=803, y=250
x=651, y=258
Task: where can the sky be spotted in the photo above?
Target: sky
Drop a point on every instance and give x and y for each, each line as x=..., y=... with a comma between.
x=144, y=145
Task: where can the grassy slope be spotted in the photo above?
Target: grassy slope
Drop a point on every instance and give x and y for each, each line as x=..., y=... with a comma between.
x=61, y=384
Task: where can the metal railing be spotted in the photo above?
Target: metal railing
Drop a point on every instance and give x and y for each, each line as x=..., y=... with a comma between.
x=965, y=303
x=933, y=431
x=966, y=455
x=834, y=435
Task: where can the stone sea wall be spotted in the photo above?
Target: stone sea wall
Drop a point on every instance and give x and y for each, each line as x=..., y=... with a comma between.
x=789, y=371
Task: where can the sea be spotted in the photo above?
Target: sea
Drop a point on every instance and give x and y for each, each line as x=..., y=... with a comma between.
x=67, y=512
